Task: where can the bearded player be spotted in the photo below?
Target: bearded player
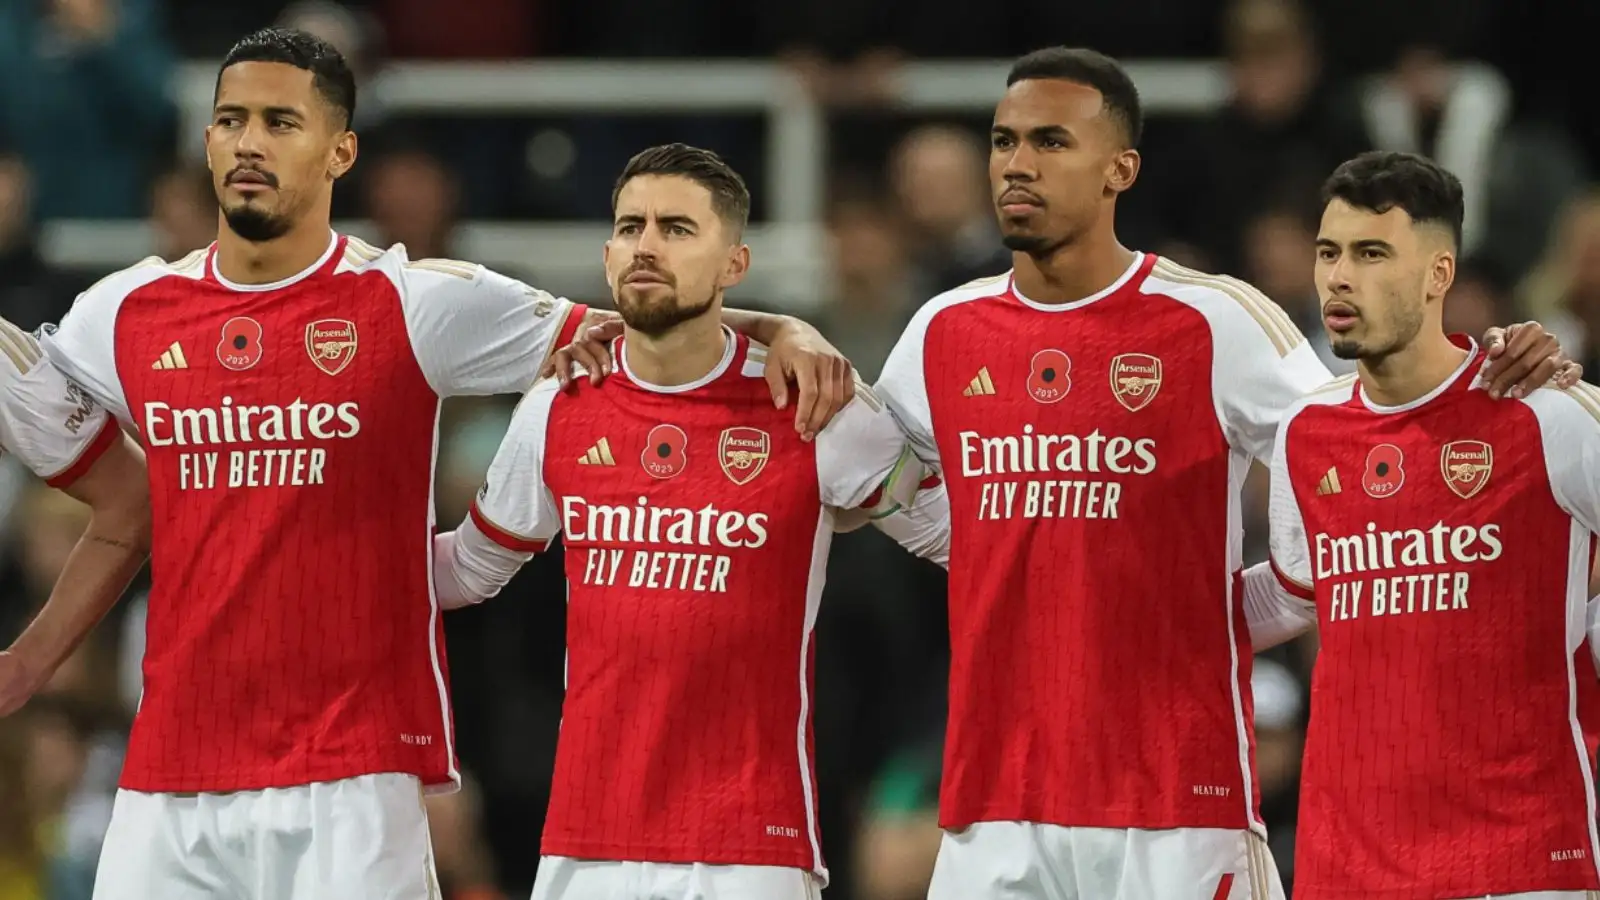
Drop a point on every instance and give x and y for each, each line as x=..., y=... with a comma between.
x=286, y=382
x=696, y=532
x=1094, y=413
x=64, y=437
x=1442, y=542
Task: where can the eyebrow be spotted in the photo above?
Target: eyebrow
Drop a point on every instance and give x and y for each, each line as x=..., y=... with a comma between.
x=1364, y=244
x=239, y=109
x=675, y=219
x=1035, y=133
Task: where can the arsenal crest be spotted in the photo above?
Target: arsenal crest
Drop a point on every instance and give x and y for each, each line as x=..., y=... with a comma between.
x=331, y=344
x=1466, y=466
x=1135, y=378
x=743, y=453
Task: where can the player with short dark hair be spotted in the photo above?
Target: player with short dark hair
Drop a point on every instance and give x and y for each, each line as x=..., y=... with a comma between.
x=696, y=532
x=1094, y=413
x=1442, y=541
x=286, y=382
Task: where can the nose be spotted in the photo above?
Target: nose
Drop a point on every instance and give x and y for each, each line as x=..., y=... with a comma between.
x=1337, y=277
x=649, y=244
x=1020, y=164
x=251, y=144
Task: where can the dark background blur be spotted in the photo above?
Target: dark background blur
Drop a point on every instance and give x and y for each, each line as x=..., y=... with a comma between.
x=492, y=129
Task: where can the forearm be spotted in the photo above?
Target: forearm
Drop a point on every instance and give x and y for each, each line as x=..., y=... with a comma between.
x=97, y=572
x=1272, y=613
x=762, y=327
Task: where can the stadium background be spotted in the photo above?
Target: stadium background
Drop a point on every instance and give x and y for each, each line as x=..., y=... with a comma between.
x=492, y=129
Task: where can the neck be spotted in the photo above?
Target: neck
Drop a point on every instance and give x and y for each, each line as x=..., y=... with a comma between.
x=249, y=262
x=1074, y=270
x=685, y=354
x=1411, y=373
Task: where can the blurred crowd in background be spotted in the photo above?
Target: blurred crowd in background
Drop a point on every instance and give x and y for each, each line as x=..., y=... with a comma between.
x=1498, y=92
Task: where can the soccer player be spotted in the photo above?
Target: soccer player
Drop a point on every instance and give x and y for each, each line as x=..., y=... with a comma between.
x=696, y=533
x=64, y=437
x=1094, y=413
x=286, y=382
x=1442, y=543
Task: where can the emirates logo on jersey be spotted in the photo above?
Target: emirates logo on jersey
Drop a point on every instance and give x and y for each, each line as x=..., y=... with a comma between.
x=1466, y=466
x=743, y=453
x=1135, y=378
x=331, y=343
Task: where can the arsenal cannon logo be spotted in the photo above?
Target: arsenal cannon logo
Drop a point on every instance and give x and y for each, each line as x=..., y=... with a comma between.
x=1135, y=378
x=331, y=344
x=1466, y=466
x=743, y=453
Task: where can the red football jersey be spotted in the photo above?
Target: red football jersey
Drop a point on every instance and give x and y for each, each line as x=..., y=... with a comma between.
x=696, y=525
x=291, y=428
x=1094, y=454
x=1455, y=710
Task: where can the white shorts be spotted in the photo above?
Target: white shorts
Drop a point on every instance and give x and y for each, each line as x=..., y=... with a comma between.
x=362, y=838
x=561, y=878
x=1029, y=861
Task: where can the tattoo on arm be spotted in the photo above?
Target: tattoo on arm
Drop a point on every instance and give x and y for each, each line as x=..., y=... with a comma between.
x=121, y=545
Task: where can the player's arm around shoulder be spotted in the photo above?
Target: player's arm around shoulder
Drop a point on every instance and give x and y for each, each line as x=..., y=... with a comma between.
x=870, y=473
x=1261, y=361
x=513, y=516
x=475, y=331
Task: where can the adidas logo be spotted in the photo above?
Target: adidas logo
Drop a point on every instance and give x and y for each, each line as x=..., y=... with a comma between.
x=598, y=455
x=981, y=386
x=171, y=358
x=1329, y=484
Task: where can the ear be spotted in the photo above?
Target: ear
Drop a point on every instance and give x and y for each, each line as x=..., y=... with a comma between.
x=605, y=264
x=738, y=265
x=1441, y=274
x=343, y=157
x=1124, y=171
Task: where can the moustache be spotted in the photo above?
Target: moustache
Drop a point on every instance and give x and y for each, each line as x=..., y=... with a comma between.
x=257, y=176
x=647, y=270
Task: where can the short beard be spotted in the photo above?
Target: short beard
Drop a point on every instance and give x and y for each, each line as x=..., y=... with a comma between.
x=656, y=319
x=255, y=225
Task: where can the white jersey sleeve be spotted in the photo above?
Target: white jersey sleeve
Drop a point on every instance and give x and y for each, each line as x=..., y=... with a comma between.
x=53, y=426
x=1278, y=594
x=513, y=516
x=869, y=472
x=83, y=345
x=861, y=451
x=475, y=331
x=903, y=387
x=1569, y=423
x=1261, y=363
